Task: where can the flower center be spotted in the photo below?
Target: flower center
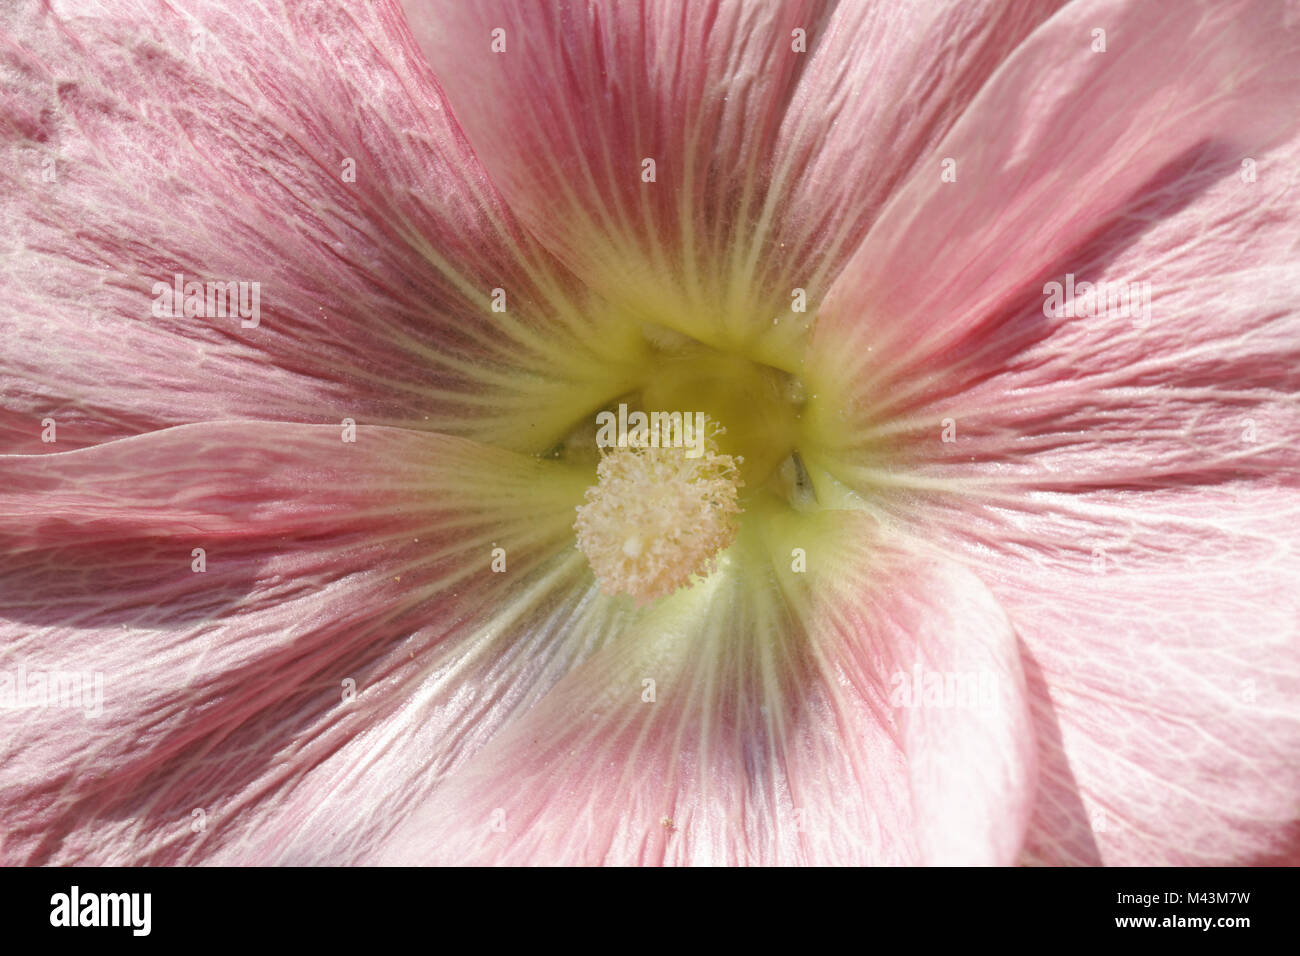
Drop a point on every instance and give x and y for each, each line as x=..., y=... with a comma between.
x=657, y=516
x=674, y=456
x=755, y=405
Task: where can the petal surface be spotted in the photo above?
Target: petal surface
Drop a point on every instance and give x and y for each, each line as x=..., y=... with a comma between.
x=775, y=130
x=757, y=719
x=1055, y=150
x=346, y=639
x=1124, y=483
x=1163, y=660
x=303, y=150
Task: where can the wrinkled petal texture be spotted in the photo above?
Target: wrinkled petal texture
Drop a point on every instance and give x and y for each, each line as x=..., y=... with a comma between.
x=391, y=650
x=343, y=647
x=226, y=686
x=185, y=138
x=770, y=162
x=301, y=146
x=742, y=725
x=1125, y=484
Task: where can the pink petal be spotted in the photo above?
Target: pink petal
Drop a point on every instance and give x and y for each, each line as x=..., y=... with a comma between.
x=1140, y=525
x=772, y=736
x=1202, y=390
x=1125, y=488
x=769, y=163
x=223, y=691
x=1164, y=668
x=1057, y=147
x=183, y=138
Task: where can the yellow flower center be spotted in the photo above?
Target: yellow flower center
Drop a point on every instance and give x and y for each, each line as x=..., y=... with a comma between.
x=668, y=498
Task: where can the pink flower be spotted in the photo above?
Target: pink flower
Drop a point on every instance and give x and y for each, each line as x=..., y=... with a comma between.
x=995, y=561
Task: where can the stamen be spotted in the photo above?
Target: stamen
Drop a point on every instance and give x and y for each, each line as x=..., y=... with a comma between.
x=656, y=517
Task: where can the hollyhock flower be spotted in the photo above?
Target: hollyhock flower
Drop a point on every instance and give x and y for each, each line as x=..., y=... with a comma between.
x=992, y=313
